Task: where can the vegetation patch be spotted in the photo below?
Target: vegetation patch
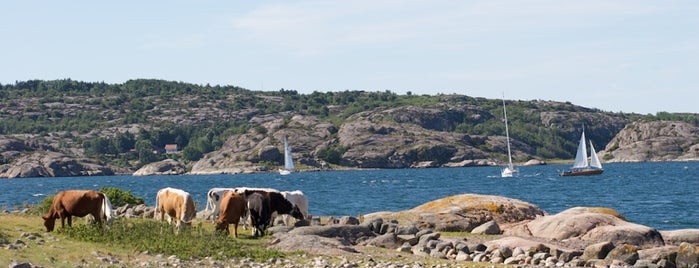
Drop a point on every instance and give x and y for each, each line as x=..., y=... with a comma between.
x=160, y=238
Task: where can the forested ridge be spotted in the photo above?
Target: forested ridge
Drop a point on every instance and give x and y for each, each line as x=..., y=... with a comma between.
x=126, y=124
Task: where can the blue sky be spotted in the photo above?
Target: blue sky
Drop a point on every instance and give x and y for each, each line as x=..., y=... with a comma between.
x=630, y=56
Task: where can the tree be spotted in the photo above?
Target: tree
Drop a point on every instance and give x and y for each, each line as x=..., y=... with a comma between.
x=144, y=148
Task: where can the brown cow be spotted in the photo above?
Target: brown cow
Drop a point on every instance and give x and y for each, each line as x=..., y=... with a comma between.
x=233, y=206
x=177, y=204
x=77, y=203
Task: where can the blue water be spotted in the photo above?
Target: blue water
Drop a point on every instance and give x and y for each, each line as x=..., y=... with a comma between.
x=659, y=195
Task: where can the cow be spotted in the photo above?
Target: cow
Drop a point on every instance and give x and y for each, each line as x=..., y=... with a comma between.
x=233, y=206
x=276, y=203
x=298, y=199
x=177, y=204
x=213, y=201
x=77, y=203
x=258, y=207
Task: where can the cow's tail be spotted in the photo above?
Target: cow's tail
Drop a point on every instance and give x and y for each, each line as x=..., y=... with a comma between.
x=209, y=200
x=157, y=206
x=107, y=209
x=186, y=218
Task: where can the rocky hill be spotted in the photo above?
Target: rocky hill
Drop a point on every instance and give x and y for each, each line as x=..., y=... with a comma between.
x=71, y=128
x=654, y=141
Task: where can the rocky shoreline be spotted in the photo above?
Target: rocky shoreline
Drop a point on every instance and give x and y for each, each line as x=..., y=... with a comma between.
x=499, y=230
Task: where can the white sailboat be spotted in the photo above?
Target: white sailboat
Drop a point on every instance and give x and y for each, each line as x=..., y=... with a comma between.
x=288, y=160
x=582, y=166
x=510, y=170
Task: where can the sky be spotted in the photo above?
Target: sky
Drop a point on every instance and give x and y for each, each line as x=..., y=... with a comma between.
x=633, y=56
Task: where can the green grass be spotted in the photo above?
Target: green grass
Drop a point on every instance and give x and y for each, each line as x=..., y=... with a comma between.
x=197, y=241
x=126, y=238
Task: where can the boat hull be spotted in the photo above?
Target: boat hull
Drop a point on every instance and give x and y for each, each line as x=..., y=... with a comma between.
x=585, y=172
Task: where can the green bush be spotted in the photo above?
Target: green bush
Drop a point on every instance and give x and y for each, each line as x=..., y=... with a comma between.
x=119, y=197
x=43, y=207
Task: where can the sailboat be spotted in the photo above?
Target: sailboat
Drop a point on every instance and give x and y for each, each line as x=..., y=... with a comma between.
x=510, y=170
x=288, y=161
x=581, y=166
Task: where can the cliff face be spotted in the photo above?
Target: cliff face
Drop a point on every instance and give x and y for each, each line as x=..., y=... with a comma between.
x=398, y=137
x=654, y=141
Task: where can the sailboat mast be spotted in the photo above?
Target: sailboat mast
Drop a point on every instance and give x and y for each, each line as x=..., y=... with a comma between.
x=507, y=133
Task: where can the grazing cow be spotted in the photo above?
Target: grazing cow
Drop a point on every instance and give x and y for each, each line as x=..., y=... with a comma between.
x=298, y=199
x=213, y=201
x=233, y=206
x=276, y=203
x=258, y=206
x=177, y=204
x=77, y=203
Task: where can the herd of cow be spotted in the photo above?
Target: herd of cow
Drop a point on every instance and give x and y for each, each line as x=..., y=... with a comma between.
x=227, y=205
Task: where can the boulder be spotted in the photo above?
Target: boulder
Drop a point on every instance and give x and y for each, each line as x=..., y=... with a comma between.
x=676, y=237
x=597, y=251
x=687, y=256
x=165, y=167
x=489, y=228
x=350, y=233
x=625, y=253
x=463, y=212
x=592, y=225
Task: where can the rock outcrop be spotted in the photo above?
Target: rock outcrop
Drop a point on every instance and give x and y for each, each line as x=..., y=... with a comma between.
x=51, y=164
x=589, y=225
x=165, y=167
x=654, y=141
x=464, y=212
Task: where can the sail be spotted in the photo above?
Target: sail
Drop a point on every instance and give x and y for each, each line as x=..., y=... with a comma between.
x=288, y=161
x=507, y=134
x=594, y=161
x=581, y=155
x=510, y=170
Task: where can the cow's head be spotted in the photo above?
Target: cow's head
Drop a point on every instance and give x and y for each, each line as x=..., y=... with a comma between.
x=49, y=222
x=296, y=213
x=222, y=226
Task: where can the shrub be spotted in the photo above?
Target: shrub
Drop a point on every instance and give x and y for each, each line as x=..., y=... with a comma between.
x=119, y=197
x=43, y=207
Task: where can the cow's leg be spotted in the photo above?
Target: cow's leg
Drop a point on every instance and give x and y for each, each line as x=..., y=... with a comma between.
x=244, y=218
x=98, y=219
x=235, y=229
x=70, y=220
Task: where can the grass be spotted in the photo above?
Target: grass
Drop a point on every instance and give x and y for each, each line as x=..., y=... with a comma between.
x=125, y=238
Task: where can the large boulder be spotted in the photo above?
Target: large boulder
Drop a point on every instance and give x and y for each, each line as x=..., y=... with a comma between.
x=463, y=212
x=590, y=225
x=687, y=256
x=165, y=167
x=676, y=237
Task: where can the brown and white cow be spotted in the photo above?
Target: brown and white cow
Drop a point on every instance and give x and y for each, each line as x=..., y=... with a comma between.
x=77, y=203
x=177, y=204
x=233, y=206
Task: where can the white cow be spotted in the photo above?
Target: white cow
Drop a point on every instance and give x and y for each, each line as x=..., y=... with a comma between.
x=299, y=199
x=213, y=201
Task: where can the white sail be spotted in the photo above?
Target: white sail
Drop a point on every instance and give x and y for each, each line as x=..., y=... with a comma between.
x=594, y=161
x=288, y=161
x=510, y=170
x=581, y=155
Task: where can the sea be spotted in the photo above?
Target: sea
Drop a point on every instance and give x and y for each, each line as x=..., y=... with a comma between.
x=662, y=195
